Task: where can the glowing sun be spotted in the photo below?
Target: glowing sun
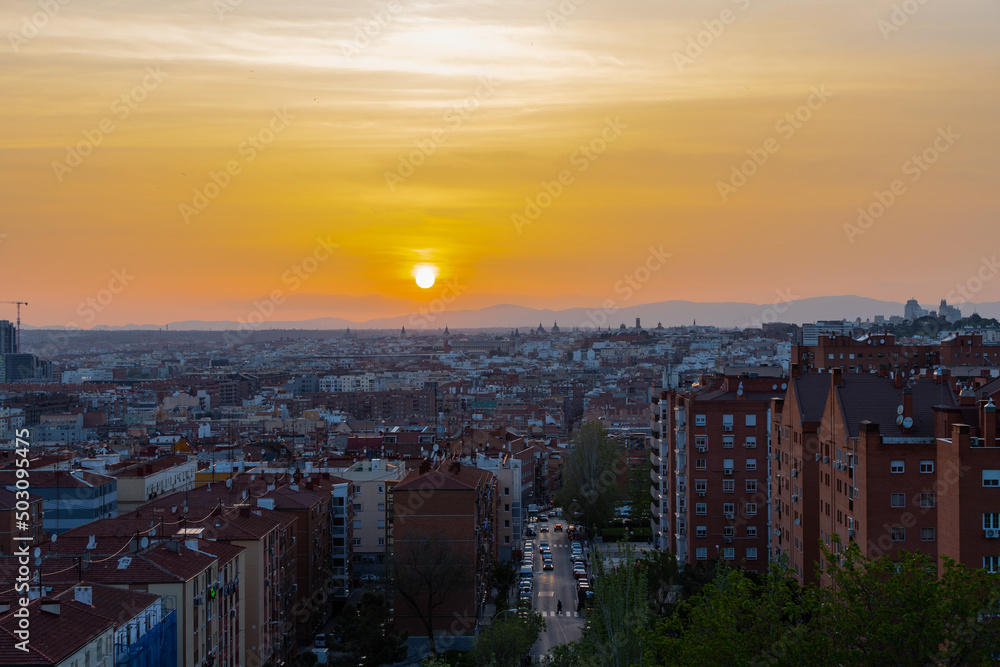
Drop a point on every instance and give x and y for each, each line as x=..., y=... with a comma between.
x=425, y=275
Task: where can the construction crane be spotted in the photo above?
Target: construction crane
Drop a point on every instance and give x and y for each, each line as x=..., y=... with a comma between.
x=19, y=304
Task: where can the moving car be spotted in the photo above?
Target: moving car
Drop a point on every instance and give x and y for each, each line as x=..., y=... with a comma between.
x=547, y=565
x=545, y=529
x=558, y=528
x=544, y=546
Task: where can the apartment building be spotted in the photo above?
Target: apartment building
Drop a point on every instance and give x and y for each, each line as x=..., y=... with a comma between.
x=710, y=468
x=371, y=482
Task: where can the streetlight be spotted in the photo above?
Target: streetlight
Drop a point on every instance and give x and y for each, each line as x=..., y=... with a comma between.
x=492, y=623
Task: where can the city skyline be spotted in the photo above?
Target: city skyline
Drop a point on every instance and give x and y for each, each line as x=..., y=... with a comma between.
x=186, y=162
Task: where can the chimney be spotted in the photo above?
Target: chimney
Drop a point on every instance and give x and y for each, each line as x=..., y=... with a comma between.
x=51, y=607
x=173, y=546
x=838, y=376
x=897, y=380
x=793, y=371
x=84, y=594
x=989, y=426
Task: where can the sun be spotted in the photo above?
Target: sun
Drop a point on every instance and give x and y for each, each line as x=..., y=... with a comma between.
x=425, y=275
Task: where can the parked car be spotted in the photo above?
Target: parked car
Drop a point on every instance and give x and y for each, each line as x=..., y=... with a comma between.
x=320, y=641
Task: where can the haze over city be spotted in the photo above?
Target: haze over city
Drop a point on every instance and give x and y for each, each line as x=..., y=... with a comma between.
x=198, y=156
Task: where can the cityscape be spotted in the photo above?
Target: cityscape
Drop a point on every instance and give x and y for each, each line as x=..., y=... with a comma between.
x=538, y=332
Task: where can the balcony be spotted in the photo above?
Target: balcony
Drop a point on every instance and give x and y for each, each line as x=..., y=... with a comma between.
x=654, y=475
x=655, y=460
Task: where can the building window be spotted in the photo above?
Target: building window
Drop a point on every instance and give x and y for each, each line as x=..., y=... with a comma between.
x=751, y=465
x=751, y=442
x=727, y=464
x=751, y=420
x=751, y=509
x=898, y=499
x=991, y=478
x=699, y=420
x=751, y=553
x=506, y=490
x=701, y=531
x=897, y=465
x=506, y=507
x=357, y=525
x=357, y=541
x=506, y=523
x=357, y=488
x=728, y=485
x=728, y=553
x=991, y=520
x=700, y=508
x=927, y=534
x=991, y=563
x=700, y=464
x=381, y=524
x=728, y=441
x=927, y=500
x=751, y=486
x=381, y=541
x=751, y=531
x=701, y=553
x=381, y=507
x=381, y=488
x=701, y=485
x=927, y=466
x=898, y=533
x=728, y=509
x=701, y=441
x=357, y=507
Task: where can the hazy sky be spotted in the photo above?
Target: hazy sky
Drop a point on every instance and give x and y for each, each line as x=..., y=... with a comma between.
x=364, y=138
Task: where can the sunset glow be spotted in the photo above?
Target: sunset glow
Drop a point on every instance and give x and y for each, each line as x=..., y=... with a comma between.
x=540, y=150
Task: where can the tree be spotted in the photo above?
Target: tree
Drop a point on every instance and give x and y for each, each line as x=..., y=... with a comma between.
x=427, y=572
x=734, y=620
x=618, y=611
x=504, y=578
x=511, y=637
x=590, y=476
x=373, y=639
x=638, y=493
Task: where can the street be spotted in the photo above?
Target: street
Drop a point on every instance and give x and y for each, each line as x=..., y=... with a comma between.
x=552, y=586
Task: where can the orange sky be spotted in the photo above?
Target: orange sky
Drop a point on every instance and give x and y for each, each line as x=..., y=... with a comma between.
x=501, y=96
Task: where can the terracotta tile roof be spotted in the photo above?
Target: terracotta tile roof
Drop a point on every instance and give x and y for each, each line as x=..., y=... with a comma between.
x=8, y=499
x=445, y=477
x=120, y=604
x=53, y=636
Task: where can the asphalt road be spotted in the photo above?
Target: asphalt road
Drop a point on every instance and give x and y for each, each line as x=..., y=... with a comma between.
x=550, y=587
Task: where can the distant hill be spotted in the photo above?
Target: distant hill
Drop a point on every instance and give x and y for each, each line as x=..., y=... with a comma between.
x=669, y=313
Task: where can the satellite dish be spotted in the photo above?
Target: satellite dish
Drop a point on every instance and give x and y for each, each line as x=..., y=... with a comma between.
x=37, y=552
x=739, y=392
x=434, y=448
x=899, y=420
x=784, y=385
x=229, y=482
x=773, y=387
x=38, y=561
x=908, y=422
x=144, y=542
x=253, y=477
x=152, y=532
x=899, y=410
x=53, y=538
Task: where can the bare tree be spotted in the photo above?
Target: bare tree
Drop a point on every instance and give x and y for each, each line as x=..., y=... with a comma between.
x=427, y=572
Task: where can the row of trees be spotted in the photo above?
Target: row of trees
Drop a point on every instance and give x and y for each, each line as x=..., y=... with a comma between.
x=870, y=612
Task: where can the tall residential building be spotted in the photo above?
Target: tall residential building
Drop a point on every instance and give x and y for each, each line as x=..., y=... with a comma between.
x=371, y=481
x=912, y=311
x=8, y=338
x=710, y=469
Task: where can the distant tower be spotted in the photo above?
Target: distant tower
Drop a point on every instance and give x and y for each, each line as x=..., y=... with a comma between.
x=402, y=331
x=446, y=330
x=555, y=327
x=637, y=325
x=8, y=338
